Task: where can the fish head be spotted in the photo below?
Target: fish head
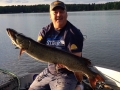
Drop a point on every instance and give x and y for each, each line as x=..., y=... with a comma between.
x=18, y=39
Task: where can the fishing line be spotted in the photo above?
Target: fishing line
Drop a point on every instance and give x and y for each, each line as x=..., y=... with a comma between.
x=11, y=81
x=84, y=37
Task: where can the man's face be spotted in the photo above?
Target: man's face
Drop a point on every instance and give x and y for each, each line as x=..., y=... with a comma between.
x=58, y=17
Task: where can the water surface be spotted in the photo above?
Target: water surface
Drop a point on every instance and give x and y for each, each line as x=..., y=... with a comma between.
x=102, y=45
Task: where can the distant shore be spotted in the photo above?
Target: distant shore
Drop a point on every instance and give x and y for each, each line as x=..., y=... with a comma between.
x=41, y=8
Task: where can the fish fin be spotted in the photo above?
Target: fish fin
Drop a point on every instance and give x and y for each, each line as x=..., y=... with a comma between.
x=79, y=76
x=95, y=79
x=87, y=61
x=16, y=47
x=21, y=51
x=60, y=65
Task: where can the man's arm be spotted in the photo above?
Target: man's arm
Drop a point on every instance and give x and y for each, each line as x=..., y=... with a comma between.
x=78, y=87
x=78, y=54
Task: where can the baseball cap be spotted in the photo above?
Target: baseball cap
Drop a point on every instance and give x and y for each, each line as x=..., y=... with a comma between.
x=56, y=4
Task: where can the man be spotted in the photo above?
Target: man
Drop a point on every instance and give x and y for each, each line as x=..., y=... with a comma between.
x=63, y=35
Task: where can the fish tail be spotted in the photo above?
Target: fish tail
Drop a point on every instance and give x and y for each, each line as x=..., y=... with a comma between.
x=95, y=79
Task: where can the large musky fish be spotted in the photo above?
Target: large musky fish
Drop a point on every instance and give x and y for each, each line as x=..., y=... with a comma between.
x=53, y=55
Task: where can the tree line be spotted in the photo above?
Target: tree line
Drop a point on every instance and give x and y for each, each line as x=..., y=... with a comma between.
x=70, y=7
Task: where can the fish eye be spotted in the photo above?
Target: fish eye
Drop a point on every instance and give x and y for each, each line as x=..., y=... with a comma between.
x=17, y=35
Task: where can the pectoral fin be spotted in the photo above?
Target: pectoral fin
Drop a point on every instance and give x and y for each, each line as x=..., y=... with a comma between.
x=21, y=51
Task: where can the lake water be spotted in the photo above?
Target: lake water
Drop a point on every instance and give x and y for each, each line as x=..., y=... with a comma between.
x=102, y=44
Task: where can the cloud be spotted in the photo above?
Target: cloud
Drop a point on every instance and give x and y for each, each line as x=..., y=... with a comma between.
x=35, y=2
x=21, y=1
x=16, y=1
x=9, y=1
x=87, y=1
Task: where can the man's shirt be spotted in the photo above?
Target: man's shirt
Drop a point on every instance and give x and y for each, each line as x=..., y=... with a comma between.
x=69, y=38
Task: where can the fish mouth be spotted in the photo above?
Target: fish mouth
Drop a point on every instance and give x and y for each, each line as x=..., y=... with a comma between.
x=12, y=34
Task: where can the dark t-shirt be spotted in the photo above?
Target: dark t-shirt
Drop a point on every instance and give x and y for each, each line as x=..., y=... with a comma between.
x=69, y=38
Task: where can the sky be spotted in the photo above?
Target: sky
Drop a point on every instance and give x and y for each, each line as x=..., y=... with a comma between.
x=36, y=2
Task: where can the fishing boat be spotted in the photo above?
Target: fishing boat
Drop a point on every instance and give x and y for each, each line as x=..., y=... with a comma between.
x=112, y=79
x=111, y=76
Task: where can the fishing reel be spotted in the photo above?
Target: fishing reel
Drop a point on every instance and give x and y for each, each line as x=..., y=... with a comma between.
x=102, y=85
